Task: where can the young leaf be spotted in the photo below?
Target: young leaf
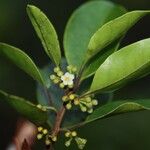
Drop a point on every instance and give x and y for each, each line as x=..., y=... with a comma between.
x=111, y=31
x=118, y=107
x=130, y=62
x=25, y=108
x=22, y=60
x=45, y=32
x=84, y=22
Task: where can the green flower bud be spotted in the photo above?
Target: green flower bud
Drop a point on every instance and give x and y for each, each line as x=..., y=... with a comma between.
x=68, y=106
x=56, y=69
x=44, y=108
x=94, y=102
x=39, y=106
x=39, y=136
x=74, y=133
x=80, y=142
x=61, y=85
x=56, y=80
x=69, y=68
x=67, y=143
x=88, y=99
x=71, y=96
x=54, y=139
x=76, y=102
x=52, y=77
x=74, y=69
x=47, y=142
x=64, y=98
x=45, y=131
x=90, y=110
x=40, y=129
x=67, y=134
x=60, y=73
x=89, y=105
x=83, y=108
x=70, y=86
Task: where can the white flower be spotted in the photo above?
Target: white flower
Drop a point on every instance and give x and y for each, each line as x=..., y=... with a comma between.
x=67, y=78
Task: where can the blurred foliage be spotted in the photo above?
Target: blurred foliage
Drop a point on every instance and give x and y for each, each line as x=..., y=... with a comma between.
x=126, y=132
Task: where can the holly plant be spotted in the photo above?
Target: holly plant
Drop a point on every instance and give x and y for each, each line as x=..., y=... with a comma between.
x=77, y=89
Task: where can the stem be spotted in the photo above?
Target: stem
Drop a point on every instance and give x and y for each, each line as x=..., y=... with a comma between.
x=59, y=119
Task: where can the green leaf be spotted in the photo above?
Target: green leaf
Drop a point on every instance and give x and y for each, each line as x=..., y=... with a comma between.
x=114, y=108
x=22, y=60
x=45, y=32
x=118, y=107
x=25, y=108
x=130, y=62
x=84, y=22
x=111, y=31
x=97, y=60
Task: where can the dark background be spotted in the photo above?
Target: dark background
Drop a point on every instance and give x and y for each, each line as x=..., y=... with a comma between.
x=125, y=132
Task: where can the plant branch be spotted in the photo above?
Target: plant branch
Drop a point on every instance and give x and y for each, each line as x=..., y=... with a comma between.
x=61, y=112
x=58, y=121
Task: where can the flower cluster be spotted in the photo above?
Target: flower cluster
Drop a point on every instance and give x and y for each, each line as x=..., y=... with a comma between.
x=41, y=132
x=86, y=103
x=44, y=133
x=64, y=79
x=73, y=135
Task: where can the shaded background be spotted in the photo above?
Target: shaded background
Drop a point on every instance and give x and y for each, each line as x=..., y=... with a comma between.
x=125, y=132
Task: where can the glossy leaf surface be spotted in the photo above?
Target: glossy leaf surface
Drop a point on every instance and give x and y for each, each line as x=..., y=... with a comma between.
x=129, y=63
x=45, y=32
x=22, y=60
x=25, y=108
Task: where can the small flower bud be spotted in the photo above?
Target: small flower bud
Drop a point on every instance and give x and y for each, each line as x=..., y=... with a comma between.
x=90, y=110
x=59, y=73
x=88, y=99
x=68, y=106
x=89, y=104
x=71, y=96
x=56, y=69
x=76, y=102
x=69, y=68
x=61, y=85
x=52, y=77
x=54, y=139
x=40, y=129
x=39, y=106
x=45, y=131
x=70, y=86
x=74, y=133
x=83, y=109
x=67, y=143
x=67, y=134
x=80, y=142
x=44, y=108
x=94, y=102
x=47, y=142
x=74, y=69
x=56, y=80
x=64, y=98
x=39, y=136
